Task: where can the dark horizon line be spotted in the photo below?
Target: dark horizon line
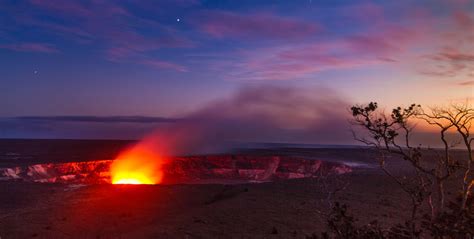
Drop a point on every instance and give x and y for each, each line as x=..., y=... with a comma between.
x=243, y=144
x=262, y=144
x=98, y=119
x=71, y=139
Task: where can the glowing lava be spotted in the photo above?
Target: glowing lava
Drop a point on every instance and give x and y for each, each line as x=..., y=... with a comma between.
x=138, y=165
x=132, y=181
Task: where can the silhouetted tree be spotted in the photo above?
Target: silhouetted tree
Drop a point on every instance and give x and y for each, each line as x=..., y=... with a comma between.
x=390, y=134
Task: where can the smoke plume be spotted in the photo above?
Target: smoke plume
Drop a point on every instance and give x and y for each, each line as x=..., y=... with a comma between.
x=258, y=114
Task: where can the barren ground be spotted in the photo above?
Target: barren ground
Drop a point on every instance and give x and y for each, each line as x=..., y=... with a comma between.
x=187, y=211
x=282, y=209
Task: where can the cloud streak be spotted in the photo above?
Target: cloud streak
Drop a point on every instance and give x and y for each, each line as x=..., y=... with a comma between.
x=108, y=24
x=406, y=43
x=453, y=56
x=467, y=83
x=224, y=24
x=30, y=47
x=298, y=61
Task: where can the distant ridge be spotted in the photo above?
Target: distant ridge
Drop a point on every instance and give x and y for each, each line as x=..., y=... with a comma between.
x=296, y=145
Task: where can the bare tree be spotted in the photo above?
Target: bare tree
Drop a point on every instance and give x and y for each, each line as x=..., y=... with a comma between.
x=387, y=133
x=390, y=134
x=457, y=118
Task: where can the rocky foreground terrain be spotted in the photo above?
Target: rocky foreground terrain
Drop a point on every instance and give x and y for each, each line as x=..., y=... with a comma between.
x=289, y=208
x=281, y=209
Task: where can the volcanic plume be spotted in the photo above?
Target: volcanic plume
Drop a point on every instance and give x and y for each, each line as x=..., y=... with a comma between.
x=254, y=114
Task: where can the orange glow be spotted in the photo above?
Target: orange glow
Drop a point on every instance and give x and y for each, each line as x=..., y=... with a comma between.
x=132, y=181
x=138, y=165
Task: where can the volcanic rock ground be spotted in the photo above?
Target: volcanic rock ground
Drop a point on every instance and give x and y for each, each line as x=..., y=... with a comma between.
x=281, y=209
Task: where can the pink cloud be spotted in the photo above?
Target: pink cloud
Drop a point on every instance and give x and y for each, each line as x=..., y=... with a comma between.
x=464, y=20
x=290, y=61
x=433, y=45
x=373, y=44
x=387, y=41
x=450, y=62
x=31, y=47
x=442, y=71
x=467, y=83
x=274, y=70
x=297, y=62
x=454, y=55
x=224, y=24
x=164, y=65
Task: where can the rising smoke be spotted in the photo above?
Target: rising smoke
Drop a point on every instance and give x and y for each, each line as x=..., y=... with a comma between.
x=258, y=114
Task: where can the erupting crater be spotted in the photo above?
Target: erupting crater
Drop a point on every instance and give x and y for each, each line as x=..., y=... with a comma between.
x=138, y=165
x=141, y=167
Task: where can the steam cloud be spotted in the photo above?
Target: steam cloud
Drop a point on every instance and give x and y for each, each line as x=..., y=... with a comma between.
x=258, y=114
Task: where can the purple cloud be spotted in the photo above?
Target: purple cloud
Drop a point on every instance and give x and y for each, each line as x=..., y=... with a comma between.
x=117, y=30
x=464, y=19
x=295, y=62
x=400, y=43
x=454, y=54
x=222, y=24
x=129, y=44
x=298, y=61
x=31, y=47
x=78, y=9
x=365, y=13
x=164, y=65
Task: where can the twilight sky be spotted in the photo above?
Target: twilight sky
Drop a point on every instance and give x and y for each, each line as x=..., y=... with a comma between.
x=156, y=60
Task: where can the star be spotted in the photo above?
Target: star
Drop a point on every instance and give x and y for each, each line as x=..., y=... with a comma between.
x=177, y=19
x=36, y=72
